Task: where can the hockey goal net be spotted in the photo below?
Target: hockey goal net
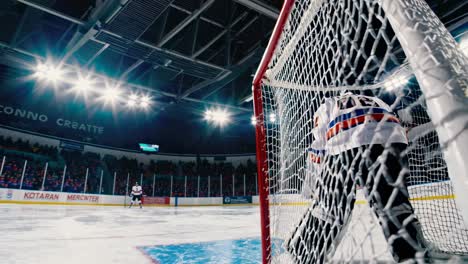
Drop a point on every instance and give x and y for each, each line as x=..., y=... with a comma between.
x=399, y=52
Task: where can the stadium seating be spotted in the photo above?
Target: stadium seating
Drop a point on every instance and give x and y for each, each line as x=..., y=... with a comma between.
x=189, y=179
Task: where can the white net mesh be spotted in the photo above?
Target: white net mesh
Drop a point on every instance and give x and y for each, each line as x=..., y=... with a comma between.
x=430, y=188
x=354, y=191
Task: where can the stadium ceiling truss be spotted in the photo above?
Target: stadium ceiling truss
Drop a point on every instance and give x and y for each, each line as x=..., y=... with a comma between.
x=198, y=51
x=181, y=50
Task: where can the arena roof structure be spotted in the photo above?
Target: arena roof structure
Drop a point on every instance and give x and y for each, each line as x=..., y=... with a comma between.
x=181, y=50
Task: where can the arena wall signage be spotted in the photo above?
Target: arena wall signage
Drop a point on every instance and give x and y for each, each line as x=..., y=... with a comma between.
x=237, y=199
x=71, y=145
x=44, y=197
x=62, y=198
x=41, y=196
x=156, y=200
x=43, y=118
x=6, y=194
x=82, y=198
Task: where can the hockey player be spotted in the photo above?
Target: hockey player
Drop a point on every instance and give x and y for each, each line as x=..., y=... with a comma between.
x=361, y=142
x=136, y=194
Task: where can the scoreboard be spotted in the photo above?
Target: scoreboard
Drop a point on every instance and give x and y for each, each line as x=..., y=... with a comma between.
x=151, y=148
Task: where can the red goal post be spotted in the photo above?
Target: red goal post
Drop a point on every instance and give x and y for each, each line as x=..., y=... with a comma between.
x=260, y=133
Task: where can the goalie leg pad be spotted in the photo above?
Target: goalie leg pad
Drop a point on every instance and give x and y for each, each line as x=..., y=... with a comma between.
x=318, y=233
x=384, y=174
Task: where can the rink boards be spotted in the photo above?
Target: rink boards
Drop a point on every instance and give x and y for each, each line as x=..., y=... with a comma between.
x=13, y=196
x=425, y=192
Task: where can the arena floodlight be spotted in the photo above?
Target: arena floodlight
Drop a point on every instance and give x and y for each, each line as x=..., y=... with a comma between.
x=54, y=74
x=132, y=100
x=111, y=93
x=41, y=71
x=253, y=120
x=144, y=104
x=133, y=97
x=208, y=115
x=272, y=117
x=83, y=84
x=145, y=101
x=396, y=82
x=220, y=117
x=48, y=72
x=223, y=118
x=131, y=103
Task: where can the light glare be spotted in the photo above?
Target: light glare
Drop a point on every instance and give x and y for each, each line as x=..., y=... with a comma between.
x=220, y=117
x=145, y=101
x=89, y=83
x=396, y=82
x=84, y=84
x=144, y=104
x=41, y=70
x=48, y=72
x=208, y=115
x=111, y=93
x=131, y=103
x=253, y=120
x=54, y=74
x=272, y=117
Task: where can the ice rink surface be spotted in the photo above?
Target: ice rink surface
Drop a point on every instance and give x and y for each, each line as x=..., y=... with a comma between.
x=95, y=234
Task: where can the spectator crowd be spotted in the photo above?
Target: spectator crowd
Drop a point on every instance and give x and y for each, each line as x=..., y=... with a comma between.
x=48, y=168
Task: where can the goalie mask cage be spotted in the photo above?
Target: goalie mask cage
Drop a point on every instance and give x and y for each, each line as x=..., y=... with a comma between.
x=397, y=50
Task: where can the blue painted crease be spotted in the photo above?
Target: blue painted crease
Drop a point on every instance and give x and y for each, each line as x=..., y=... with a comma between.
x=240, y=251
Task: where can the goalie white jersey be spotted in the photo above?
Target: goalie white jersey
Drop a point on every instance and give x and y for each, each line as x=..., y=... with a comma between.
x=346, y=122
x=350, y=121
x=314, y=163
